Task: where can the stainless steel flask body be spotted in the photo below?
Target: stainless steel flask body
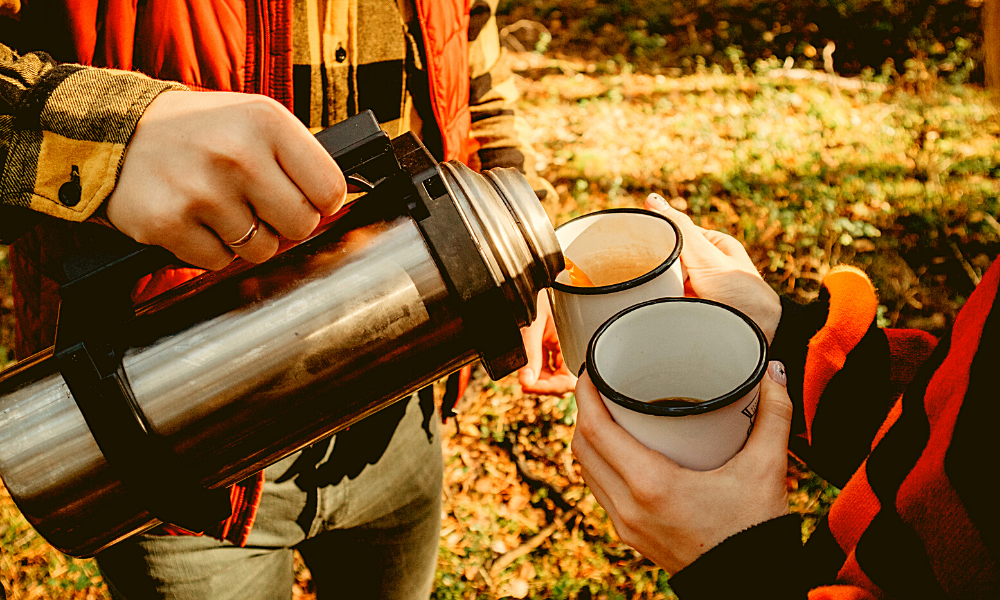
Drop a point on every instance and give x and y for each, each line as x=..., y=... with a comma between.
x=237, y=370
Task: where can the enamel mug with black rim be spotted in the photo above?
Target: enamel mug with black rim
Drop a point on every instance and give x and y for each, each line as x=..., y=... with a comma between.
x=630, y=254
x=682, y=375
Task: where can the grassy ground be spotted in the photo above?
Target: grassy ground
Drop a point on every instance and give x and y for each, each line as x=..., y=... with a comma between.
x=809, y=174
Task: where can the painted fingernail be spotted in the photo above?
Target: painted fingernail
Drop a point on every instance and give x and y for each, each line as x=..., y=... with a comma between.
x=657, y=201
x=777, y=372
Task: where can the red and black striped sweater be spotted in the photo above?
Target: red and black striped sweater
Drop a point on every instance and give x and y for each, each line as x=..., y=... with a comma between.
x=908, y=427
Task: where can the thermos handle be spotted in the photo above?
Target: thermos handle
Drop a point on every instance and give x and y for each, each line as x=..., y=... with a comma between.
x=88, y=351
x=361, y=149
x=89, y=348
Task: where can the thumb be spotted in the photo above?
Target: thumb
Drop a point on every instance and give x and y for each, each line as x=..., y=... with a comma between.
x=769, y=437
x=698, y=251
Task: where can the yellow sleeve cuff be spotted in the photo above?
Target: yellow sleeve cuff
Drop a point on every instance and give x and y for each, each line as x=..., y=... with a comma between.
x=67, y=142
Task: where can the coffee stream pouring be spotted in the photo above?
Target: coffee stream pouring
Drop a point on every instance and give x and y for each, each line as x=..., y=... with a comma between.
x=145, y=415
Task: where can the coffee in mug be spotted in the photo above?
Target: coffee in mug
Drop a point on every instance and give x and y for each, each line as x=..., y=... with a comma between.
x=675, y=401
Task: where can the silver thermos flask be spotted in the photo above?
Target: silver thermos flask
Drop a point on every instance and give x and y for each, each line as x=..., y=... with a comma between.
x=142, y=415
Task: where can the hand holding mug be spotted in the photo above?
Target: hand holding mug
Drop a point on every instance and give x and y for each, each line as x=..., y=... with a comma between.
x=546, y=371
x=210, y=174
x=719, y=268
x=673, y=515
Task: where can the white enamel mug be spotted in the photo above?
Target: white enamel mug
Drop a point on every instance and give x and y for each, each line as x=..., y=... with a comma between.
x=630, y=254
x=681, y=348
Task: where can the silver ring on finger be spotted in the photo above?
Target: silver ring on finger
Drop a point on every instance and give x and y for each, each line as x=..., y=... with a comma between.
x=243, y=241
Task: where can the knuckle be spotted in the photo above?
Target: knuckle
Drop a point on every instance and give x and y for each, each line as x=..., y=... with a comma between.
x=163, y=229
x=681, y=218
x=261, y=254
x=143, y=237
x=267, y=113
x=301, y=228
x=264, y=106
x=585, y=427
x=199, y=257
x=198, y=207
x=782, y=408
x=334, y=190
x=730, y=241
x=219, y=261
x=574, y=445
x=143, y=228
x=275, y=108
x=232, y=151
x=644, y=494
x=646, y=490
x=630, y=521
x=271, y=248
x=330, y=198
x=777, y=403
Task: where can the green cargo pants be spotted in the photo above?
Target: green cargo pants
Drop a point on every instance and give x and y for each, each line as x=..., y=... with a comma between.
x=363, y=509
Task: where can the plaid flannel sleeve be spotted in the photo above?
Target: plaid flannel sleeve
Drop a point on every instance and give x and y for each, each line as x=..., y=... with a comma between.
x=499, y=130
x=63, y=133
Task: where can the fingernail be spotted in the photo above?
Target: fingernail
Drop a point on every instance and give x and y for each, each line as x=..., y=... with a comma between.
x=657, y=201
x=777, y=372
x=529, y=375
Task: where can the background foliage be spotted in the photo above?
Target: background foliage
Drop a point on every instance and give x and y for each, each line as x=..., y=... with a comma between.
x=942, y=35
